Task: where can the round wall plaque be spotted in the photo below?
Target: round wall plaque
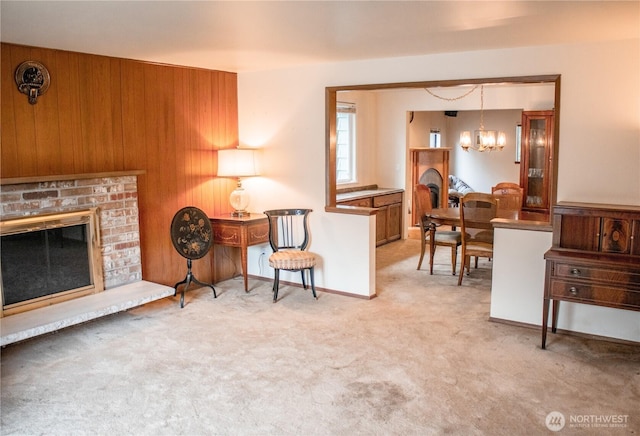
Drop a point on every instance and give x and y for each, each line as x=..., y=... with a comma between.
x=32, y=79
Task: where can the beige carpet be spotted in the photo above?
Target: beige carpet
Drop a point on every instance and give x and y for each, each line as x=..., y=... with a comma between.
x=420, y=359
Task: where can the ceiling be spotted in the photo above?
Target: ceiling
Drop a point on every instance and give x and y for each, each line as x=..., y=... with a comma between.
x=241, y=36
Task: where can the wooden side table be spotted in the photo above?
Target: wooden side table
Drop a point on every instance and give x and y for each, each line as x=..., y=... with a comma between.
x=240, y=232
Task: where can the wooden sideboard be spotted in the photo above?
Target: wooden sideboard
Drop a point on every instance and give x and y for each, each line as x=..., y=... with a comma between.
x=594, y=258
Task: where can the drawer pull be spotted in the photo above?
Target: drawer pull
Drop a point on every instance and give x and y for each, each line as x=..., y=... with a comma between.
x=575, y=272
x=573, y=290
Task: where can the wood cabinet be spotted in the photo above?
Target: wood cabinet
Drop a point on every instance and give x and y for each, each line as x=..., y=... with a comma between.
x=388, y=205
x=594, y=258
x=536, y=160
x=388, y=217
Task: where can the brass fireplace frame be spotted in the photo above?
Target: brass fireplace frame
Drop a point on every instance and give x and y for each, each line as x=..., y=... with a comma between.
x=53, y=221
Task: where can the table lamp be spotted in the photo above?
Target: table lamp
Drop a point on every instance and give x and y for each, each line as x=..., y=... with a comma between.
x=238, y=163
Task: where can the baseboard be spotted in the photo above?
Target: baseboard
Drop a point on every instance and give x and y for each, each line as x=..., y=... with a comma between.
x=565, y=332
x=328, y=291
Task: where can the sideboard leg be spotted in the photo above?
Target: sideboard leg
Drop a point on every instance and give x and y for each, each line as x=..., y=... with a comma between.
x=545, y=318
x=554, y=316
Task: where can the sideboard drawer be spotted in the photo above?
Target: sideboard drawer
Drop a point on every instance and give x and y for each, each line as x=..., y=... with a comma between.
x=619, y=276
x=595, y=294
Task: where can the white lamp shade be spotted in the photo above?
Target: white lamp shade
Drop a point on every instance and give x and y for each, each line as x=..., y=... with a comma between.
x=465, y=140
x=502, y=139
x=238, y=162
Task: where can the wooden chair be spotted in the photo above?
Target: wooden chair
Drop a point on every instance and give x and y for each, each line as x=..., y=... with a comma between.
x=289, y=238
x=509, y=195
x=444, y=238
x=476, y=212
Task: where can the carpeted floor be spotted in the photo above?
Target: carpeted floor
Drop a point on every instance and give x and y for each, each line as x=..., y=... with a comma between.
x=420, y=359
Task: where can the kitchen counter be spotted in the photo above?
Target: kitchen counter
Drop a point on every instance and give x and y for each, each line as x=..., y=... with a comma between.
x=365, y=193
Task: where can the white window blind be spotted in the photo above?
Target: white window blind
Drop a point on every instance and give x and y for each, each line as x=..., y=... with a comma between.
x=346, y=143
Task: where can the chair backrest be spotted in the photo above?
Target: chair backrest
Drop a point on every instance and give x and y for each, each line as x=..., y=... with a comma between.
x=422, y=202
x=509, y=195
x=288, y=229
x=476, y=212
x=507, y=188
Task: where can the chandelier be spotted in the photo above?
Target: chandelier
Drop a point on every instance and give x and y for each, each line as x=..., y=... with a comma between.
x=482, y=140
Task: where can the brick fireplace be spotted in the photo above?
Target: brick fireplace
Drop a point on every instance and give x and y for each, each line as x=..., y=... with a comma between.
x=114, y=195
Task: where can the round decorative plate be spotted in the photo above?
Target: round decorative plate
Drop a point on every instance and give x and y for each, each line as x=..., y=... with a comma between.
x=191, y=232
x=33, y=79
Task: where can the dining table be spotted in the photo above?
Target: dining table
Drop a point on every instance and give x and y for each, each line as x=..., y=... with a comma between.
x=450, y=216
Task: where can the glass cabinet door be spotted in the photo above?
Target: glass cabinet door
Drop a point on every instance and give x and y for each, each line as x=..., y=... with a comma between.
x=537, y=139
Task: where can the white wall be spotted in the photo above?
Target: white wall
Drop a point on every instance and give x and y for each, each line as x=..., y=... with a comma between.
x=284, y=112
x=516, y=273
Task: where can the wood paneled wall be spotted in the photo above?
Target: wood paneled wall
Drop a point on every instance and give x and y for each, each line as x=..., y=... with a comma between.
x=108, y=114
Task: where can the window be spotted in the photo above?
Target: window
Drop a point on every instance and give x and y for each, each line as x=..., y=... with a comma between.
x=434, y=138
x=346, y=143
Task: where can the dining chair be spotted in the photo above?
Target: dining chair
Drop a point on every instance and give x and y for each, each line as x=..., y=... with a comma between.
x=289, y=238
x=509, y=195
x=476, y=212
x=444, y=238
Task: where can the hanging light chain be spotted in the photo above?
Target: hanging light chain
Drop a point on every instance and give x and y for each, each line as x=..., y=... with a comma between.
x=453, y=98
x=495, y=139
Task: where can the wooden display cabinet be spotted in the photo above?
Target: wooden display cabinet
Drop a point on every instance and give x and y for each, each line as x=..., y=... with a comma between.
x=536, y=160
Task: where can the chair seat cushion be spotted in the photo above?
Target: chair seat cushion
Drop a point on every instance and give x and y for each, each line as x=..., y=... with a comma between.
x=447, y=237
x=292, y=260
x=482, y=250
